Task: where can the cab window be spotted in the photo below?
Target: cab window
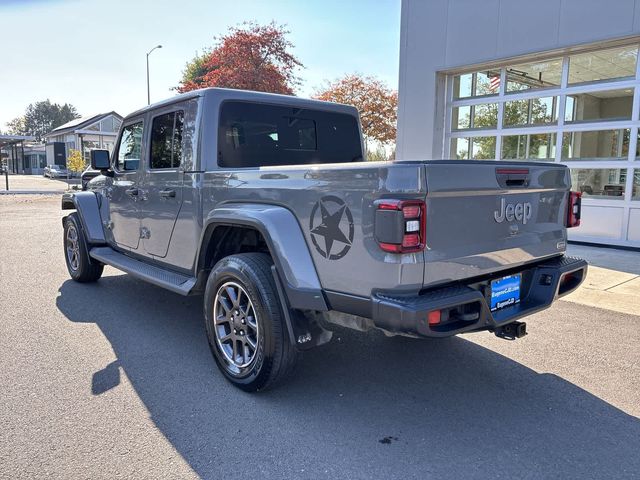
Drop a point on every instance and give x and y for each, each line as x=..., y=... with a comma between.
x=166, y=140
x=256, y=135
x=130, y=148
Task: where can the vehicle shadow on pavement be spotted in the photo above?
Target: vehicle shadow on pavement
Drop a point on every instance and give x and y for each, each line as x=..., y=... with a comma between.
x=363, y=406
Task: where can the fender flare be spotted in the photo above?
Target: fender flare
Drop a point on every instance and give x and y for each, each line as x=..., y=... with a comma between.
x=287, y=245
x=86, y=204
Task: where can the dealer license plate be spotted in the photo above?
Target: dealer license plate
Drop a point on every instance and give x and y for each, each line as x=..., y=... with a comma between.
x=505, y=292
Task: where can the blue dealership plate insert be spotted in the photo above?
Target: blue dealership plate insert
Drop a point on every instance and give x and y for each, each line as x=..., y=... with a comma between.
x=505, y=291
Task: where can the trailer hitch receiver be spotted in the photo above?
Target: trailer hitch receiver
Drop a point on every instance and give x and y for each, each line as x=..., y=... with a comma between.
x=512, y=330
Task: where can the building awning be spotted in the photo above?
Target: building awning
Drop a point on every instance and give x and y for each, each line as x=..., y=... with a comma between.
x=6, y=140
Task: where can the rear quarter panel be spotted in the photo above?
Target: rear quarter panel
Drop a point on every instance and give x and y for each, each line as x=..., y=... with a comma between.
x=345, y=254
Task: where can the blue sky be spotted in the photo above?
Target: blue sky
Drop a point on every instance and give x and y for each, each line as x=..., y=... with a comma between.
x=92, y=53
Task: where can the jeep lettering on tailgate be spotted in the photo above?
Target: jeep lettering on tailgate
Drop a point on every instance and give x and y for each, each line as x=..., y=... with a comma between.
x=520, y=212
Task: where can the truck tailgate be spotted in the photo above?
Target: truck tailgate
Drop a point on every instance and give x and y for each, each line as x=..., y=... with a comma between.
x=483, y=217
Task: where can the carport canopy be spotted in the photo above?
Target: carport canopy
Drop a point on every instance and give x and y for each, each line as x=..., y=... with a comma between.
x=6, y=140
x=11, y=142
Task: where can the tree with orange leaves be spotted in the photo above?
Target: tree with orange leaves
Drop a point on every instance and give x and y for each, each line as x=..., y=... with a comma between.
x=377, y=104
x=248, y=57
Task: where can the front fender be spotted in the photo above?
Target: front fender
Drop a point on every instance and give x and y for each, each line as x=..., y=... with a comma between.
x=287, y=245
x=86, y=204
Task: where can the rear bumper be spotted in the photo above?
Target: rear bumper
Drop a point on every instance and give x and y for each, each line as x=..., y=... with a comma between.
x=467, y=306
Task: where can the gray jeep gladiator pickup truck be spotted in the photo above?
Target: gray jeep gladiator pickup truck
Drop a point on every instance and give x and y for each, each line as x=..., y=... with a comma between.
x=264, y=204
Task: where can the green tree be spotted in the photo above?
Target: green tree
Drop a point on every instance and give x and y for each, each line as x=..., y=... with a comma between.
x=195, y=71
x=42, y=117
x=17, y=126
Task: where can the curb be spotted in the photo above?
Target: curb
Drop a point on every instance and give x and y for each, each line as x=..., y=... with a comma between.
x=32, y=192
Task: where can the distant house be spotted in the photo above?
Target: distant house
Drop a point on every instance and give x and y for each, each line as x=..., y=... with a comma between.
x=34, y=159
x=19, y=154
x=85, y=134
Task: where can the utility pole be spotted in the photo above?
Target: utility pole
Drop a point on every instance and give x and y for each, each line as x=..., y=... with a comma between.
x=148, y=91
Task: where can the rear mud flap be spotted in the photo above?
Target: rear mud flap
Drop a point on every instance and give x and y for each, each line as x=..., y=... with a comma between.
x=305, y=331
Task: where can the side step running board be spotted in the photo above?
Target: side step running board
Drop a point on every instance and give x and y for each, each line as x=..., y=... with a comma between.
x=173, y=281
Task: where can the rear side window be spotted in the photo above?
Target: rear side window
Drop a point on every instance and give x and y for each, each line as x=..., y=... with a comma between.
x=256, y=135
x=130, y=147
x=166, y=140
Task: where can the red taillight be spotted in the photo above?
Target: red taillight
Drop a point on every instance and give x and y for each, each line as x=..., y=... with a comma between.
x=574, y=209
x=401, y=225
x=411, y=240
x=433, y=317
x=411, y=211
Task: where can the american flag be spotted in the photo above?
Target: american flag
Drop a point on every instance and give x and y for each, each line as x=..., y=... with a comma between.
x=494, y=83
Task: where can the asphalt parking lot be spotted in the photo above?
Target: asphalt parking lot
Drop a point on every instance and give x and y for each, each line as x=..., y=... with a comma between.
x=115, y=379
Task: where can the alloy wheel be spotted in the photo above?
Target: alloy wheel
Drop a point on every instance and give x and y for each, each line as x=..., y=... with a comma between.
x=235, y=325
x=73, y=247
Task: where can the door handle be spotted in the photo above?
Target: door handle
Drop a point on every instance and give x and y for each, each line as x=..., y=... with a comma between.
x=132, y=191
x=167, y=193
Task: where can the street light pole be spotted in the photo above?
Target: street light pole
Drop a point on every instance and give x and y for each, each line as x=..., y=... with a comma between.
x=148, y=92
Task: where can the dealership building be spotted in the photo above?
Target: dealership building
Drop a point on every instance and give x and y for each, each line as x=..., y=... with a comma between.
x=511, y=80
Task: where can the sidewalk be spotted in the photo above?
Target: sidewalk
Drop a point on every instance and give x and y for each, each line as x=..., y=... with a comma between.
x=613, y=279
x=35, y=184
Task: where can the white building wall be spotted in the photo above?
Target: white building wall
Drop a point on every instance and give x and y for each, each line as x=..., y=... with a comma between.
x=442, y=35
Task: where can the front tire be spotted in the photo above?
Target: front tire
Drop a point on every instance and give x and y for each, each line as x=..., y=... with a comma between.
x=81, y=267
x=245, y=325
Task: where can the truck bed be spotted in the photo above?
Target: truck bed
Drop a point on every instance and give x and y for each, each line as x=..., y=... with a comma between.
x=463, y=238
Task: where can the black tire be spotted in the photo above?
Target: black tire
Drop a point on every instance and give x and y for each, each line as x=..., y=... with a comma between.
x=81, y=267
x=274, y=357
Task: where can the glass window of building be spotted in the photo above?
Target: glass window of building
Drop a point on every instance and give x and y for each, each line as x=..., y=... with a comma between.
x=107, y=125
x=474, y=148
x=576, y=109
x=635, y=195
x=596, y=106
x=596, y=145
x=461, y=118
x=476, y=84
x=599, y=182
x=537, y=147
x=535, y=111
x=483, y=148
x=460, y=148
x=484, y=115
x=613, y=63
x=526, y=76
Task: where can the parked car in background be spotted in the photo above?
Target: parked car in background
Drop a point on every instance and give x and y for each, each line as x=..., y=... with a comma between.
x=87, y=175
x=57, y=171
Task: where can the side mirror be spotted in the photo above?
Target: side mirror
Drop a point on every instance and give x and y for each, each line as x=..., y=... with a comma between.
x=100, y=160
